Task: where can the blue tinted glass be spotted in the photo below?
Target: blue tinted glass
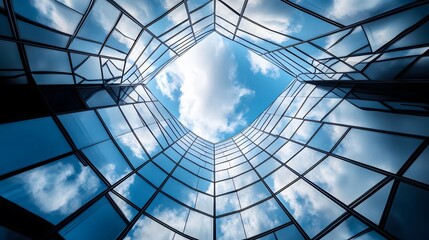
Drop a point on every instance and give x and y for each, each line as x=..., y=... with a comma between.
x=164, y=162
x=168, y=211
x=227, y=203
x=230, y=227
x=252, y=194
x=327, y=136
x=385, y=151
x=347, y=229
x=146, y=228
x=55, y=190
x=373, y=207
x=263, y=217
x=132, y=149
x=418, y=171
x=153, y=173
x=29, y=142
x=344, y=180
x=180, y=192
x=289, y=232
x=84, y=128
x=114, y=120
x=108, y=160
x=310, y=208
x=136, y=190
x=147, y=140
x=87, y=225
x=409, y=214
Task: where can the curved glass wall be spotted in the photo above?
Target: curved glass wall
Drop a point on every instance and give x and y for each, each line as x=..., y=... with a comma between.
x=86, y=150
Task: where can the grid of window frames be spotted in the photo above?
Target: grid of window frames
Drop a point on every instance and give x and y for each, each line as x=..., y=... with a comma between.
x=322, y=162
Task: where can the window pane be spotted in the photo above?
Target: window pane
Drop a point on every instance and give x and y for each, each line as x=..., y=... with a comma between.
x=55, y=190
x=87, y=225
x=28, y=142
x=84, y=128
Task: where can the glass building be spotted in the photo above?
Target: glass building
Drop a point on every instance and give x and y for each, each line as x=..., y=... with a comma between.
x=88, y=152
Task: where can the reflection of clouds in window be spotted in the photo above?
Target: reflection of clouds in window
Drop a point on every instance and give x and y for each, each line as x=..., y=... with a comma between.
x=263, y=217
x=56, y=16
x=135, y=147
x=147, y=140
x=342, y=10
x=230, y=227
x=199, y=226
x=342, y=179
x=60, y=187
x=272, y=15
x=176, y=218
x=146, y=228
x=310, y=208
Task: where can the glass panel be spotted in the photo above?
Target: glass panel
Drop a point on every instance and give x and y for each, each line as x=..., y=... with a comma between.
x=146, y=228
x=55, y=190
x=230, y=227
x=344, y=180
x=42, y=59
x=153, y=173
x=267, y=167
x=114, y=120
x=205, y=203
x=84, y=128
x=418, y=171
x=126, y=208
x=347, y=229
x=108, y=160
x=385, y=151
x=28, y=142
x=199, y=226
x=227, y=203
x=252, y=194
x=168, y=211
x=263, y=217
x=87, y=225
x=280, y=178
x=305, y=159
x=180, y=192
x=327, y=137
x=245, y=179
x=49, y=13
x=373, y=207
x=186, y=177
x=132, y=116
x=409, y=213
x=148, y=141
x=132, y=149
x=310, y=208
x=290, y=232
x=136, y=190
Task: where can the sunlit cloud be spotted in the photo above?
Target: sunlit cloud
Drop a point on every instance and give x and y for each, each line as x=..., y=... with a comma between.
x=260, y=65
x=209, y=94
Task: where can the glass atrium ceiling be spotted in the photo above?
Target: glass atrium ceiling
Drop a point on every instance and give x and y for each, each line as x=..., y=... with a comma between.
x=88, y=152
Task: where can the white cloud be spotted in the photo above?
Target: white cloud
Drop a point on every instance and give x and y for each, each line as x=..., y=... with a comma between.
x=209, y=90
x=259, y=64
x=60, y=187
x=345, y=9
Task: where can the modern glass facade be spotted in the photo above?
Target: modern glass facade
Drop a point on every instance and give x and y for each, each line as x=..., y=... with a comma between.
x=87, y=152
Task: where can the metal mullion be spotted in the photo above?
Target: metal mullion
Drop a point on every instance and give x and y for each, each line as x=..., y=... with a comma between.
x=110, y=34
x=189, y=18
x=325, y=19
x=240, y=16
x=144, y=28
x=143, y=209
x=273, y=196
x=360, y=23
x=51, y=47
x=81, y=22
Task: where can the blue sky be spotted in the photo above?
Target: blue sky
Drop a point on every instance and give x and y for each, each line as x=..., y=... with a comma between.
x=218, y=87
